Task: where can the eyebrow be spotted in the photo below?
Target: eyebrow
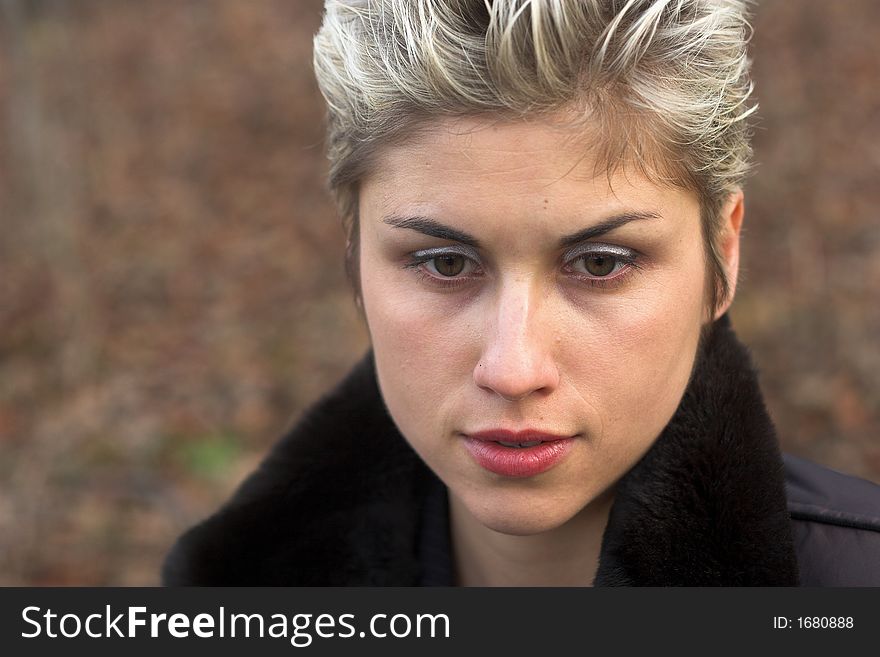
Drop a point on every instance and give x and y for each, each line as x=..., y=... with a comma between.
x=606, y=226
x=434, y=228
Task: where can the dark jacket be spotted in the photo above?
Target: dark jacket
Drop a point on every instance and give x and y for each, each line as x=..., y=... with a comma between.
x=343, y=500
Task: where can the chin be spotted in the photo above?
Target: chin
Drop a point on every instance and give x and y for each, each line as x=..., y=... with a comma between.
x=524, y=522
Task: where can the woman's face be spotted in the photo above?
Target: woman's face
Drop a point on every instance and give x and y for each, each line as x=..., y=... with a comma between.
x=514, y=295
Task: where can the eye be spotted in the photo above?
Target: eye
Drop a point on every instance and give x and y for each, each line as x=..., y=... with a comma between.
x=600, y=265
x=447, y=265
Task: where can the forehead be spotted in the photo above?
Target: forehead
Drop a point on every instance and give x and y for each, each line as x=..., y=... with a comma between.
x=514, y=167
x=486, y=146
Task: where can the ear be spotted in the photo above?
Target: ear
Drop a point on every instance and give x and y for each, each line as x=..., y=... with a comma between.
x=731, y=222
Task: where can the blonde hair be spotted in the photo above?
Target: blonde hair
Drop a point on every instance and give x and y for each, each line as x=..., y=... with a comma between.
x=665, y=83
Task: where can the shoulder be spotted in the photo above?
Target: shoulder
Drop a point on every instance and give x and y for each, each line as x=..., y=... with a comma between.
x=835, y=523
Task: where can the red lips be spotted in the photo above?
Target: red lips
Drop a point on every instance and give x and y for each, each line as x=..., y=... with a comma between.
x=486, y=449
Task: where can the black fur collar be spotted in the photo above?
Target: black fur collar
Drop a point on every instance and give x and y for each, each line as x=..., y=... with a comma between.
x=706, y=505
x=338, y=501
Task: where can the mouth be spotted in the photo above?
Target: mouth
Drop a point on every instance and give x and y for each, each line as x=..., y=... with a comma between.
x=517, y=453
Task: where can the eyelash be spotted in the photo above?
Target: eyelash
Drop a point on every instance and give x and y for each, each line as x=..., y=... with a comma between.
x=419, y=258
x=627, y=258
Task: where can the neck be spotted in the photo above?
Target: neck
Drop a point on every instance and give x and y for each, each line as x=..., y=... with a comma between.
x=565, y=556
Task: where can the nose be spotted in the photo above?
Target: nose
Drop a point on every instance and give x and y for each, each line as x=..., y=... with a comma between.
x=517, y=356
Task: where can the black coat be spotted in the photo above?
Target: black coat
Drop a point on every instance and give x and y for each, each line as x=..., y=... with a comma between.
x=341, y=500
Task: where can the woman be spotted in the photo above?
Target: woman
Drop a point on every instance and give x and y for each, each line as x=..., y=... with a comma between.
x=543, y=206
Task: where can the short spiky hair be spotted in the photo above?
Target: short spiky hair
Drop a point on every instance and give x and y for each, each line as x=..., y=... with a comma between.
x=666, y=83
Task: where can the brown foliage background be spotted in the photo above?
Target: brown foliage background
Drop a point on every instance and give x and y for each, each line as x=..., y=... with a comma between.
x=171, y=284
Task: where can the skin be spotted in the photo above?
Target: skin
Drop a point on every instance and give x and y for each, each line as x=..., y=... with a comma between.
x=522, y=339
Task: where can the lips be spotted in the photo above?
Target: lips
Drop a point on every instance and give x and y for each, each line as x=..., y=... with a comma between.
x=517, y=453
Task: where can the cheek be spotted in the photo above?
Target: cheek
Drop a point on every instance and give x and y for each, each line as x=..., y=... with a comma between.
x=419, y=330
x=424, y=350
x=635, y=356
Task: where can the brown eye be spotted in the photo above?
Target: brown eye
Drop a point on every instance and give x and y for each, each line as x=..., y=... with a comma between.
x=449, y=265
x=600, y=265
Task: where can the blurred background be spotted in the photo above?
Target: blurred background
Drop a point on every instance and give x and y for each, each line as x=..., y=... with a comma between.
x=172, y=293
